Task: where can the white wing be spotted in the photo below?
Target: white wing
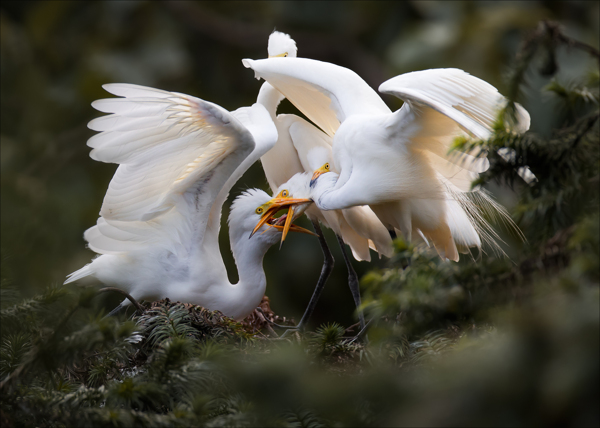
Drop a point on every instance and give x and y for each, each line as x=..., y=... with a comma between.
x=324, y=92
x=447, y=103
x=471, y=102
x=258, y=121
x=176, y=155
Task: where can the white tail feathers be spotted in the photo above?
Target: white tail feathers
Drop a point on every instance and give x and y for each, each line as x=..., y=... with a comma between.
x=367, y=225
x=461, y=226
x=78, y=274
x=468, y=214
x=443, y=241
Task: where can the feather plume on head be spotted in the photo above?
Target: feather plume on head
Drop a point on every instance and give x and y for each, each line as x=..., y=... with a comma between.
x=281, y=44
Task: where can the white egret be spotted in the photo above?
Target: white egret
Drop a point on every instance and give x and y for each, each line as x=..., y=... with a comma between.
x=178, y=158
x=399, y=163
x=302, y=147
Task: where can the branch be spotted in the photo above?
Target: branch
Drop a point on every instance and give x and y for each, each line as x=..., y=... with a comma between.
x=579, y=45
x=589, y=123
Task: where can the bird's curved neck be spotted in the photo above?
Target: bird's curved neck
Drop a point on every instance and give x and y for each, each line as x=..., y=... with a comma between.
x=328, y=196
x=249, y=291
x=270, y=98
x=248, y=259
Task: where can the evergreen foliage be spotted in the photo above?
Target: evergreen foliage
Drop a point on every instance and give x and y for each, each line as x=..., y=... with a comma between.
x=497, y=341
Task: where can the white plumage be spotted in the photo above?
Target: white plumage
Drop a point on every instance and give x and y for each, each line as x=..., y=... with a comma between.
x=178, y=157
x=301, y=147
x=399, y=163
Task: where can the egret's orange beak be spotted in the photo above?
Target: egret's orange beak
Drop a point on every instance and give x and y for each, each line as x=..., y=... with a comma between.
x=318, y=172
x=283, y=223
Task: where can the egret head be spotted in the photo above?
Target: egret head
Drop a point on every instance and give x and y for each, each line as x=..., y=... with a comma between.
x=292, y=195
x=281, y=45
x=297, y=186
x=254, y=211
x=320, y=171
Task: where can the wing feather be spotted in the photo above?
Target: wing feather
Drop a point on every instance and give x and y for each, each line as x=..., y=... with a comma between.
x=447, y=103
x=157, y=162
x=133, y=91
x=471, y=102
x=132, y=107
x=116, y=122
x=324, y=92
x=176, y=153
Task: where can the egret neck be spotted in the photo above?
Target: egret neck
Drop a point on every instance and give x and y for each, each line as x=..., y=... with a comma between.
x=270, y=98
x=250, y=289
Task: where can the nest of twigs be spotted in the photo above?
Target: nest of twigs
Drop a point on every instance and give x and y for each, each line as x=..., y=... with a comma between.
x=260, y=320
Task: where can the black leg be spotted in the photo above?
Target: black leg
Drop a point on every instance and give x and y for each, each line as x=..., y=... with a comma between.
x=352, y=283
x=325, y=272
x=405, y=262
x=118, y=309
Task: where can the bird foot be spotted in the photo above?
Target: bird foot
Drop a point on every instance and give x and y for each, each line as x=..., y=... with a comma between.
x=362, y=334
x=274, y=324
x=292, y=329
x=289, y=329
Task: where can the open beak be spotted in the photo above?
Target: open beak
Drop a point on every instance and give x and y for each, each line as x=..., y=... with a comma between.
x=296, y=208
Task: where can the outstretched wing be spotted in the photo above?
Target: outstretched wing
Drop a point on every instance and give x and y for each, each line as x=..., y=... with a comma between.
x=444, y=104
x=326, y=93
x=175, y=154
x=471, y=102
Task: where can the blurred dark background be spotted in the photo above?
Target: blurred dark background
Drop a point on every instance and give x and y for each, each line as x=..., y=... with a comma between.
x=55, y=55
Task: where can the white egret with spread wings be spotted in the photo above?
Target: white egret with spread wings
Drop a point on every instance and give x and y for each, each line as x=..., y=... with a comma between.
x=178, y=158
x=400, y=163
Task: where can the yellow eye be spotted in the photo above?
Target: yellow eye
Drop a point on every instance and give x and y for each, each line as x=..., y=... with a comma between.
x=284, y=193
x=327, y=166
x=285, y=54
x=259, y=210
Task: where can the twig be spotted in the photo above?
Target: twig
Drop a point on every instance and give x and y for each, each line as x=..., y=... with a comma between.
x=590, y=123
x=352, y=327
x=362, y=332
x=262, y=315
x=572, y=42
